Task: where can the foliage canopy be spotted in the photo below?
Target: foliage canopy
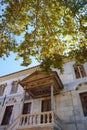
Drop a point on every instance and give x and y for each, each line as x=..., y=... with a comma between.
x=53, y=31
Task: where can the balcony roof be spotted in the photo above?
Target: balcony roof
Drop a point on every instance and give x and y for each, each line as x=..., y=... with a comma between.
x=38, y=83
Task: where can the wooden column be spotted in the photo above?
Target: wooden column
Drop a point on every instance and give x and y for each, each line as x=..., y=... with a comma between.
x=52, y=98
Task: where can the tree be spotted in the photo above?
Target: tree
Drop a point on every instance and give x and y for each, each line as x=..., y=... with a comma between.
x=53, y=31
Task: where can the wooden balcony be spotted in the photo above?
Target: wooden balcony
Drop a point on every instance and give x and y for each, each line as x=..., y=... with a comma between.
x=44, y=121
x=39, y=83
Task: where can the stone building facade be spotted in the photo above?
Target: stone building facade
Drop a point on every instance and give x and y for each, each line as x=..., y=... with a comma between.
x=35, y=100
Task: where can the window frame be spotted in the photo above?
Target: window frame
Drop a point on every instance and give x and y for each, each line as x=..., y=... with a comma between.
x=44, y=104
x=79, y=71
x=14, y=87
x=83, y=99
x=7, y=115
x=29, y=111
x=2, y=88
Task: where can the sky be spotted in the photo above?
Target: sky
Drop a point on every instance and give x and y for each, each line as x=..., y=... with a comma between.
x=9, y=65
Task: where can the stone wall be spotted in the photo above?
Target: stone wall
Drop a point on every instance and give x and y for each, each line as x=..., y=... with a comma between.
x=69, y=108
x=68, y=105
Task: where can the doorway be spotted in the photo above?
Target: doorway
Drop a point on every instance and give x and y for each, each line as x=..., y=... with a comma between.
x=46, y=106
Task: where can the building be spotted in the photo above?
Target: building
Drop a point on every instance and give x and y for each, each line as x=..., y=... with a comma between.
x=35, y=100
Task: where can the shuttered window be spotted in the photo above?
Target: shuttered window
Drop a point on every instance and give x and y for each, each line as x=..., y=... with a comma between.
x=2, y=88
x=7, y=115
x=26, y=108
x=46, y=105
x=83, y=97
x=79, y=71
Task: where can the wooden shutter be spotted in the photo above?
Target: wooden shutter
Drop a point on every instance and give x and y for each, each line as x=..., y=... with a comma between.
x=77, y=74
x=83, y=97
x=82, y=70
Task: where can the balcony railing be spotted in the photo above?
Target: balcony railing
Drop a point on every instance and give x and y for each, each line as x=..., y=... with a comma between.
x=35, y=120
x=29, y=120
x=40, y=119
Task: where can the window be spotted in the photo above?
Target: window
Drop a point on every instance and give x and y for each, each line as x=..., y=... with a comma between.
x=27, y=96
x=46, y=105
x=26, y=108
x=2, y=88
x=83, y=97
x=7, y=115
x=14, y=87
x=79, y=71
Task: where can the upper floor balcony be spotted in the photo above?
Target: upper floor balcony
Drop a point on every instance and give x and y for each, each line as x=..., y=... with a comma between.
x=44, y=121
x=39, y=83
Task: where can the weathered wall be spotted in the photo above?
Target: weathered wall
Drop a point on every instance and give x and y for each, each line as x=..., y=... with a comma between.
x=69, y=109
x=67, y=104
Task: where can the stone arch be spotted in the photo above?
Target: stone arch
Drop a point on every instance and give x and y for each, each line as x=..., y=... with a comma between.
x=82, y=86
